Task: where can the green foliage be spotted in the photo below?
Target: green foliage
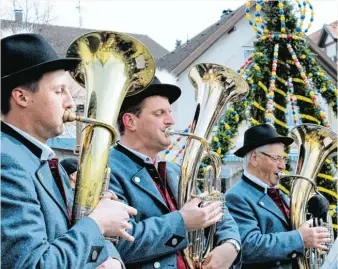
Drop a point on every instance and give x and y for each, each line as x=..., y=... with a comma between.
x=258, y=75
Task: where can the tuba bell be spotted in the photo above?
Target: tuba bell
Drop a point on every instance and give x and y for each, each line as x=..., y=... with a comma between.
x=114, y=65
x=217, y=85
x=315, y=144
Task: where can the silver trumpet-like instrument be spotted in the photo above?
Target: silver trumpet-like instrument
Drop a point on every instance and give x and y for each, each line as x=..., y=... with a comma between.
x=315, y=144
x=217, y=86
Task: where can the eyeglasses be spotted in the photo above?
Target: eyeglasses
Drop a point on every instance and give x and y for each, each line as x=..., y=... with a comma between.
x=275, y=158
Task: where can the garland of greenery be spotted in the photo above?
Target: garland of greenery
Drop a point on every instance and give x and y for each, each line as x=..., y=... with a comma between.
x=282, y=69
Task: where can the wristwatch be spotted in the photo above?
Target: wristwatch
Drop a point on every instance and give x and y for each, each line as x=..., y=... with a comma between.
x=234, y=243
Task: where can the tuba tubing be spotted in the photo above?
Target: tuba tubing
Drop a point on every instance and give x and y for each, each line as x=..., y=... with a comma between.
x=217, y=86
x=113, y=66
x=315, y=144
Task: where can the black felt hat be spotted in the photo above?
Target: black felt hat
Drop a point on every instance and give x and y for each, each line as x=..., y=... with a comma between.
x=155, y=88
x=25, y=57
x=70, y=165
x=261, y=135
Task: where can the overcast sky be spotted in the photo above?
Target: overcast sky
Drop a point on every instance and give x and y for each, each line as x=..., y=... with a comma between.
x=164, y=21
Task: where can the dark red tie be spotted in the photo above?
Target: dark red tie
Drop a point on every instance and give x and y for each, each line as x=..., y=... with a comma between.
x=278, y=200
x=54, y=168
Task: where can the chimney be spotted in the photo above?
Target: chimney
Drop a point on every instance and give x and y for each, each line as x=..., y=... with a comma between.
x=18, y=15
x=225, y=12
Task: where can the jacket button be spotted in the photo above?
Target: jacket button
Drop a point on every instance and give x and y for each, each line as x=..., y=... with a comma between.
x=278, y=263
x=261, y=203
x=174, y=242
x=94, y=255
x=294, y=255
x=137, y=179
x=157, y=265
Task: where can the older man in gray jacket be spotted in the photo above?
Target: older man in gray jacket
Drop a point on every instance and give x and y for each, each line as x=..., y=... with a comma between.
x=262, y=211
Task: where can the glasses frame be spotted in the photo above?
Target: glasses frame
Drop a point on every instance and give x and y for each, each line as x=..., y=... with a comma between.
x=275, y=158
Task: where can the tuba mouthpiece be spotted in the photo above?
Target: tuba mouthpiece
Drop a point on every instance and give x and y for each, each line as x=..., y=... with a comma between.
x=169, y=132
x=69, y=116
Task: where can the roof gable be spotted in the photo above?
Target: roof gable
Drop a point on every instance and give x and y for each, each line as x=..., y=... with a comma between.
x=180, y=58
x=183, y=56
x=62, y=36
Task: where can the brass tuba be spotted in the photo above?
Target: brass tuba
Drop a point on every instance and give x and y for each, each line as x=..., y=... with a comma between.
x=217, y=85
x=315, y=144
x=113, y=65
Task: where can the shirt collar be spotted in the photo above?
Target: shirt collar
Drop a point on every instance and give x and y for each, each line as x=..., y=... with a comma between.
x=258, y=182
x=46, y=152
x=145, y=158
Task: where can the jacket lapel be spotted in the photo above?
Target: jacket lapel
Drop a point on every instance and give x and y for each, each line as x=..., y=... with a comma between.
x=266, y=203
x=143, y=181
x=173, y=182
x=46, y=179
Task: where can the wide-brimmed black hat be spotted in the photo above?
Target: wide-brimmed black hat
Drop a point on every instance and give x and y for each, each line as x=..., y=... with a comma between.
x=155, y=88
x=70, y=165
x=25, y=57
x=261, y=135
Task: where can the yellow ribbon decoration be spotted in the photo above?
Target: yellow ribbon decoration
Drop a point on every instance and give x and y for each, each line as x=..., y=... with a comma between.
x=280, y=62
x=281, y=80
x=280, y=91
x=283, y=189
x=259, y=106
x=303, y=98
x=279, y=122
x=260, y=84
x=298, y=80
x=280, y=107
x=308, y=117
x=321, y=175
x=332, y=193
x=255, y=122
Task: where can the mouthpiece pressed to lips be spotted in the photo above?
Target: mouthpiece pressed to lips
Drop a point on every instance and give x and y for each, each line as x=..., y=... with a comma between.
x=280, y=174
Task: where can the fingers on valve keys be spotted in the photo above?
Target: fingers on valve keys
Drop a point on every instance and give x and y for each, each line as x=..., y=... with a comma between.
x=109, y=194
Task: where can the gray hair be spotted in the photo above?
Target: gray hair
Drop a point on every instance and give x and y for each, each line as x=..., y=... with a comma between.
x=246, y=159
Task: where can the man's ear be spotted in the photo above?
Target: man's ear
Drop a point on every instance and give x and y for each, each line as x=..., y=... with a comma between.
x=253, y=158
x=20, y=97
x=129, y=122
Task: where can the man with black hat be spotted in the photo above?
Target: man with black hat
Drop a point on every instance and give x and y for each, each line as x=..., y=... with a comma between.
x=262, y=211
x=142, y=180
x=36, y=227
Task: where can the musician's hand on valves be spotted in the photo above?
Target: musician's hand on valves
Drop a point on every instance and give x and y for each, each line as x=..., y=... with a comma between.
x=314, y=237
x=110, y=263
x=112, y=217
x=196, y=217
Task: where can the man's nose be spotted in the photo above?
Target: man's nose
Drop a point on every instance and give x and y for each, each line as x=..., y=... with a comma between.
x=68, y=101
x=282, y=165
x=169, y=120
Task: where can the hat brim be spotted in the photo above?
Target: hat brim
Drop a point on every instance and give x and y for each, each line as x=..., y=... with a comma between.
x=25, y=75
x=241, y=152
x=170, y=91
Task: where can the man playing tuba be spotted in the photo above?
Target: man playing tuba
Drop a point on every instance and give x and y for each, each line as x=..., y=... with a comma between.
x=143, y=181
x=262, y=211
x=36, y=198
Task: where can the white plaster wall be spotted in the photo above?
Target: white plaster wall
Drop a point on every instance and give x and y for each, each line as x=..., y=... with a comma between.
x=228, y=51
x=331, y=50
x=328, y=39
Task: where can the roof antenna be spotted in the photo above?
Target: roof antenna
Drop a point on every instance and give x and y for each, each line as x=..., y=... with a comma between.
x=80, y=16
